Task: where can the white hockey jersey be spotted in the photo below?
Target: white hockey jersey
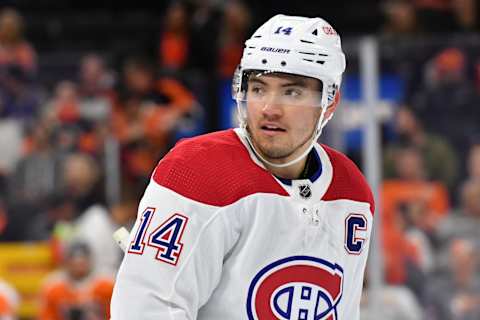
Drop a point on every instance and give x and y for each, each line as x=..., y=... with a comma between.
x=218, y=237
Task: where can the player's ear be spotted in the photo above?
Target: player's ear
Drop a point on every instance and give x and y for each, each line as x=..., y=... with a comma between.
x=332, y=107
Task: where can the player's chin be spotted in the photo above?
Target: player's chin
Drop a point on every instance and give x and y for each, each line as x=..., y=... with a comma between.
x=274, y=151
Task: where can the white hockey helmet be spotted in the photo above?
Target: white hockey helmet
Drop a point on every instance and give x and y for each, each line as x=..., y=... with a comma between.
x=294, y=45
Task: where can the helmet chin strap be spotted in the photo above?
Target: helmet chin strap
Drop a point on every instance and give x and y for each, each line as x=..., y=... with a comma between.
x=316, y=134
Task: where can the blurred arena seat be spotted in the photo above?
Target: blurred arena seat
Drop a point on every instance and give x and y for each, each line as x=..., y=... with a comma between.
x=25, y=266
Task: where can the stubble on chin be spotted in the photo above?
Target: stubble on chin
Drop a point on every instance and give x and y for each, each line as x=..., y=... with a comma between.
x=272, y=148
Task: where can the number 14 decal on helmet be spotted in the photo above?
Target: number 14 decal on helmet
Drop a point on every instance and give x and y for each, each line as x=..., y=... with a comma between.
x=285, y=31
x=165, y=238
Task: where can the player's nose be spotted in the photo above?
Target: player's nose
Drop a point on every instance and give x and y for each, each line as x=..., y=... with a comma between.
x=272, y=108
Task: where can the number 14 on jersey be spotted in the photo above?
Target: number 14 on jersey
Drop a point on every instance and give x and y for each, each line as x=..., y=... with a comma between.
x=166, y=238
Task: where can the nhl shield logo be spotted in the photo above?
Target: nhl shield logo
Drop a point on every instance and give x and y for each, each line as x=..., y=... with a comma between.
x=305, y=191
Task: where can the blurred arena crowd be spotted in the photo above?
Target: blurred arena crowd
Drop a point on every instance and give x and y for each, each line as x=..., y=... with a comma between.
x=72, y=116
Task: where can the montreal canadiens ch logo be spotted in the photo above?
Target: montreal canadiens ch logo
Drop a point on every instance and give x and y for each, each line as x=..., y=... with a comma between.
x=299, y=287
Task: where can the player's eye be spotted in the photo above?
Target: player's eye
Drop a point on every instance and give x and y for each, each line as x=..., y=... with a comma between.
x=257, y=90
x=293, y=93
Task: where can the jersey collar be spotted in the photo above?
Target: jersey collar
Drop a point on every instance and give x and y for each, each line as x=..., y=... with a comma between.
x=313, y=177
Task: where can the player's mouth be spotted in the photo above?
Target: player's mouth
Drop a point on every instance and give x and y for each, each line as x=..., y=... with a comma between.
x=272, y=129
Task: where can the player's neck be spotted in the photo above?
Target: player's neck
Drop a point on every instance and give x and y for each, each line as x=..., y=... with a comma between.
x=291, y=172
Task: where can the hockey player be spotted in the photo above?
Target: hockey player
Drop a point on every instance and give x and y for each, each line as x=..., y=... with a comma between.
x=259, y=222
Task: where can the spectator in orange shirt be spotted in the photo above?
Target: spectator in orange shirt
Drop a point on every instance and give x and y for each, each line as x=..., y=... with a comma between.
x=400, y=19
x=146, y=115
x=18, y=62
x=64, y=105
x=410, y=131
x=149, y=107
x=74, y=121
x=74, y=292
x=400, y=255
x=14, y=49
x=174, y=39
x=412, y=210
x=412, y=186
x=236, y=21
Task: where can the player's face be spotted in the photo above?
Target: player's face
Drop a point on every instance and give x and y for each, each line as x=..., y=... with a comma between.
x=282, y=115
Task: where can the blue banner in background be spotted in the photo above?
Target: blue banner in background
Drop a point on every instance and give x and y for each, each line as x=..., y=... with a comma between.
x=392, y=91
x=227, y=117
